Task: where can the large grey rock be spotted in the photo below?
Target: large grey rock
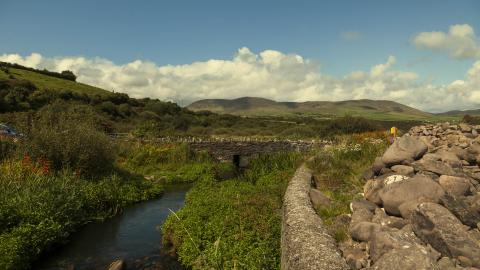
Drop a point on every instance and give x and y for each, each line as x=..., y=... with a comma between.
x=383, y=219
x=364, y=231
x=389, y=239
x=461, y=209
x=449, y=157
x=355, y=254
x=411, y=189
x=457, y=186
x=378, y=165
x=403, y=169
x=362, y=203
x=371, y=191
x=412, y=257
x=404, y=150
x=435, y=225
x=318, y=198
x=431, y=165
x=360, y=215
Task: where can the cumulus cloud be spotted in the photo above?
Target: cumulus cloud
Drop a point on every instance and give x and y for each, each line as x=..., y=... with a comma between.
x=350, y=35
x=270, y=74
x=460, y=42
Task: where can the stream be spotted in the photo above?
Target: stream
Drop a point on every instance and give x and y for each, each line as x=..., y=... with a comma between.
x=132, y=236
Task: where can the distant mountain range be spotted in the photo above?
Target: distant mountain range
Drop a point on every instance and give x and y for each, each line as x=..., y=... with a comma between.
x=461, y=113
x=253, y=106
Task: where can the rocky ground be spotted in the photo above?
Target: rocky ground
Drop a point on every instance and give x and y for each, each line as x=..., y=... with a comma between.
x=421, y=206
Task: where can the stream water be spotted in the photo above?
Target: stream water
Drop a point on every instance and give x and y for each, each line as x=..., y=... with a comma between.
x=132, y=236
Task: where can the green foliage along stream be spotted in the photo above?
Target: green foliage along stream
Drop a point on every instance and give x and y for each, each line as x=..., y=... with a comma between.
x=233, y=224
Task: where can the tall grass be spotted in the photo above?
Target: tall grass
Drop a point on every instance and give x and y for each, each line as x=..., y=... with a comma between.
x=338, y=173
x=167, y=162
x=233, y=224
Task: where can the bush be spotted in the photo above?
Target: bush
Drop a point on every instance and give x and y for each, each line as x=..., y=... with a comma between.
x=66, y=136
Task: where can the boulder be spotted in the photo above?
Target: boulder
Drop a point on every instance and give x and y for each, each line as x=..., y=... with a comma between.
x=457, y=186
x=449, y=157
x=356, y=258
x=411, y=257
x=378, y=165
x=362, y=203
x=364, y=231
x=431, y=165
x=361, y=215
x=403, y=169
x=435, y=225
x=389, y=239
x=461, y=209
x=404, y=149
x=383, y=219
x=412, y=189
x=371, y=190
x=318, y=198
x=446, y=263
x=368, y=174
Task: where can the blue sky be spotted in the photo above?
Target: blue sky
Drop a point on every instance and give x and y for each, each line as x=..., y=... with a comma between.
x=182, y=32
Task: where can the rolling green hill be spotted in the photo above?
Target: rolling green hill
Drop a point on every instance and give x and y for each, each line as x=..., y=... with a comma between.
x=43, y=82
x=372, y=109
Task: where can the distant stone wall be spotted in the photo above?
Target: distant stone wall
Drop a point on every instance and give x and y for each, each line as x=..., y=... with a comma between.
x=306, y=244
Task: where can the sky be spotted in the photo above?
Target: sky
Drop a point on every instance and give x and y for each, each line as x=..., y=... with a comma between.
x=424, y=54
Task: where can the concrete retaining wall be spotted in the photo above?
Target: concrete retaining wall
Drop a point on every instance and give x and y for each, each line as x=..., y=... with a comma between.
x=306, y=245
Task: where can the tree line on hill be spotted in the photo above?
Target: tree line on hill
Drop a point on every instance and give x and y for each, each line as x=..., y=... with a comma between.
x=66, y=74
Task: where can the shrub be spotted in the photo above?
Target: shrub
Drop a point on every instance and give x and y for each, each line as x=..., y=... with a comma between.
x=67, y=137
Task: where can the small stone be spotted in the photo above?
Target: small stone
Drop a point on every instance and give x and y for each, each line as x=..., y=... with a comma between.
x=464, y=261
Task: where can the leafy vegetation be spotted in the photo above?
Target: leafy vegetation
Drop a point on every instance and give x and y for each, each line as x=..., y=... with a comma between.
x=39, y=210
x=57, y=177
x=338, y=173
x=233, y=224
x=169, y=162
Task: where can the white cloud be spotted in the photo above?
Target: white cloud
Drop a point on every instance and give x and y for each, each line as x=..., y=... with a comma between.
x=270, y=74
x=460, y=42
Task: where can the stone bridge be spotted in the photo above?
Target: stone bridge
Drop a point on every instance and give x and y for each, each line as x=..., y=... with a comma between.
x=239, y=152
x=234, y=149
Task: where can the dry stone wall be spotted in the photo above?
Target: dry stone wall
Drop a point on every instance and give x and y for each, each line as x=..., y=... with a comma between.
x=421, y=210
x=306, y=244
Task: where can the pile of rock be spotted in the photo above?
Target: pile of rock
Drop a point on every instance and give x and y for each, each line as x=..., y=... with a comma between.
x=421, y=209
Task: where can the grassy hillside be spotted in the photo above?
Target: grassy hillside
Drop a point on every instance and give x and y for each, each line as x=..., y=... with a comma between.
x=372, y=109
x=43, y=82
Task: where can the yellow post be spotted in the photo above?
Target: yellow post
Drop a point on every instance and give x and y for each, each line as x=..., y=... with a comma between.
x=393, y=132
